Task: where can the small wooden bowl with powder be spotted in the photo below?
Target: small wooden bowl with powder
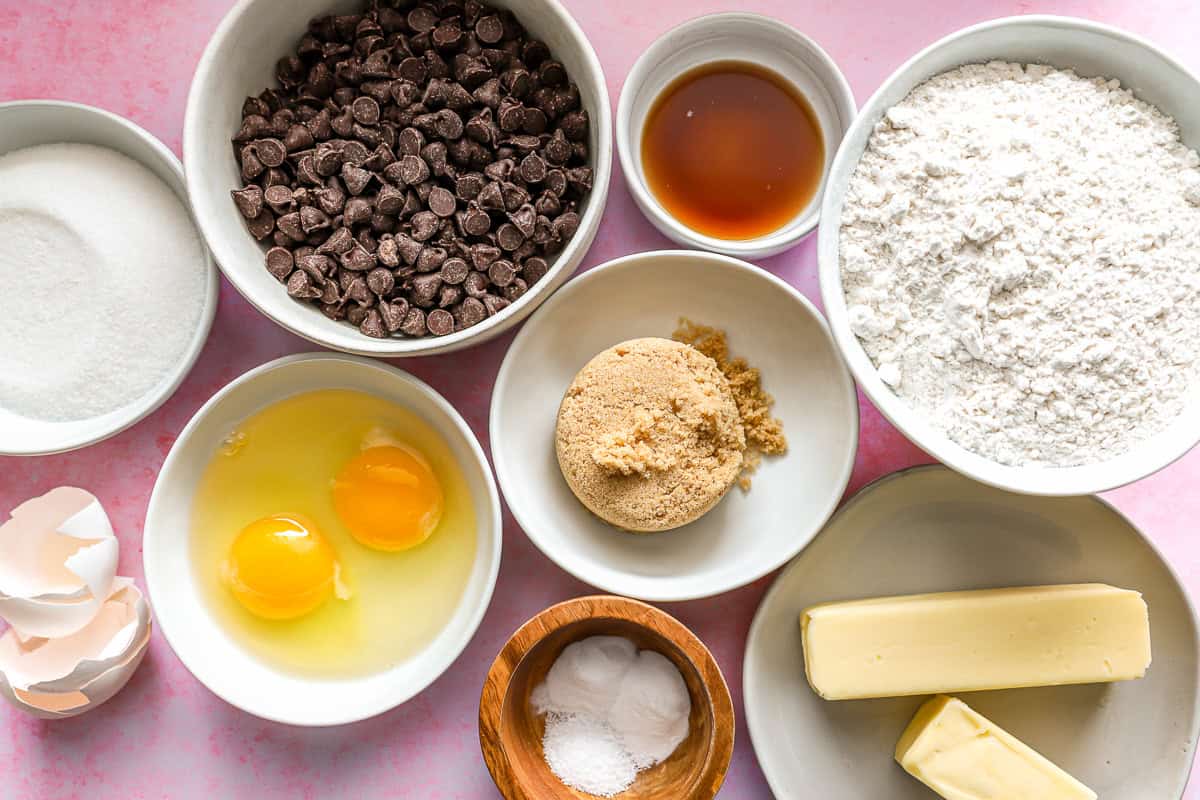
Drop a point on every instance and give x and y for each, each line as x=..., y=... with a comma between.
x=511, y=732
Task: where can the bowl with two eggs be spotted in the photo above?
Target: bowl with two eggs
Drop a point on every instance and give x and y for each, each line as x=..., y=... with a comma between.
x=326, y=527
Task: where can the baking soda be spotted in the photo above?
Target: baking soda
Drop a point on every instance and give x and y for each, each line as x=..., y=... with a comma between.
x=104, y=281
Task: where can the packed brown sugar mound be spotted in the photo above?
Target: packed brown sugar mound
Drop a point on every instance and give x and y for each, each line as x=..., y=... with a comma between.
x=649, y=435
x=764, y=433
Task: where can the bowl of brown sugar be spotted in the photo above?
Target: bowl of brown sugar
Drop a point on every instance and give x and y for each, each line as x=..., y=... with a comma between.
x=673, y=425
x=726, y=128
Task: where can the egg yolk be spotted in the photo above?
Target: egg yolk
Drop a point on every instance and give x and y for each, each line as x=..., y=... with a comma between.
x=388, y=498
x=281, y=567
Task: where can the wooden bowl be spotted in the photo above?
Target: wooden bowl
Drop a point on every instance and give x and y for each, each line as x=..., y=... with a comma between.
x=510, y=732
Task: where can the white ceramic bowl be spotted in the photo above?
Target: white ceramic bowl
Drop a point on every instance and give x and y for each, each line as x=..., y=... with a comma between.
x=1090, y=49
x=747, y=534
x=25, y=123
x=926, y=530
x=240, y=61
x=197, y=638
x=732, y=37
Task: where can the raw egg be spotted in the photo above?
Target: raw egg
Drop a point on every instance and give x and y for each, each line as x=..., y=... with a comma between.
x=281, y=567
x=388, y=497
x=325, y=484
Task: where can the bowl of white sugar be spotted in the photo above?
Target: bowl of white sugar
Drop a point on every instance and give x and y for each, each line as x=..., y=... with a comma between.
x=1010, y=254
x=109, y=289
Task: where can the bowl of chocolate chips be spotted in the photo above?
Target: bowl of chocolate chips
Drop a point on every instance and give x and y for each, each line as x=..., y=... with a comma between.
x=398, y=177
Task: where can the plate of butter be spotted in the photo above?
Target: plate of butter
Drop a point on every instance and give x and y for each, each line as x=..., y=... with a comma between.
x=942, y=638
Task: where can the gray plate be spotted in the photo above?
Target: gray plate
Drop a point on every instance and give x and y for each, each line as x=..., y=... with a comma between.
x=930, y=529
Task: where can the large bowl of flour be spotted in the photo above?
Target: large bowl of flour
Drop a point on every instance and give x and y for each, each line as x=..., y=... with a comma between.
x=1010, y=254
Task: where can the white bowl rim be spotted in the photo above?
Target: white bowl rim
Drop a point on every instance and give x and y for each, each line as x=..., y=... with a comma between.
x=760, y=246
x=576, y=248
x=151, y=402
x=756, y=623
x=580, y=283
x=1032, y=480
x=453, y=652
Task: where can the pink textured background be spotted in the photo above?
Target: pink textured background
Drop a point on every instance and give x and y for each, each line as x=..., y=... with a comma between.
x=165, y=735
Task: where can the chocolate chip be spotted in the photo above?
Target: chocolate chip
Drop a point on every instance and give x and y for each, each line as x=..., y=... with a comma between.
x=365, y=111
x=442, y=202
x=317, y=266
x=413, y=170
x=372, y=325
x=566, y=225
x=381, y=281
x=533, y=168
x=313, y=219
x=355, y=314
x=482, y=255
x=509, y=237
x=534, y=269
x=425, y=288
x=393, y=313
x=467, y=186
x=431, y=259
x=414, y=323
x=338, y=242
x=476, y=221
x=300, y=286
x=424, y=225
x=280, y=262
x=357, y=211
x=476, y=284
x=494, y=304
x=470, y=311
x=390, y=200
x=489, y=29
x=249, y=201
x=279, y=198
x=357, y=259
x=449, y=296
x=439, y=322
x=501, y=273
x=515, y=289
x=454, y=271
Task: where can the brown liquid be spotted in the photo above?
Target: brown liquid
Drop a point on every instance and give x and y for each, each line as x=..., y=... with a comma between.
x=732, y=150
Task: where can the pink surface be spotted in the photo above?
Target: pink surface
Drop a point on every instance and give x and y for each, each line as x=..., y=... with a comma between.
x=167, y=736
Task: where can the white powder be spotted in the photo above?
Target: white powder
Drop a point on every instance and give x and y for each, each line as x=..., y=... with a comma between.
x=104, y=278
x=611, y=712
x=1020, y=253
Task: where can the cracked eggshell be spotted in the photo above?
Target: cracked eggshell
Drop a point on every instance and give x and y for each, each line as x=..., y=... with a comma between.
x=63, y=677
x=58, y=559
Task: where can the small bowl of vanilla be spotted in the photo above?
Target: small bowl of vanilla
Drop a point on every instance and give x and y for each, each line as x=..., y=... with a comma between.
x=603, y=695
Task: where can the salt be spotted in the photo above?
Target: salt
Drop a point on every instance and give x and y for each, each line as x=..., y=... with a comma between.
x=611, y=712
x=104, y=281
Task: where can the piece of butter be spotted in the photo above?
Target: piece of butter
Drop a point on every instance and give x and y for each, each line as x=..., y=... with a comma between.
x=970, y=641
x=962, y=755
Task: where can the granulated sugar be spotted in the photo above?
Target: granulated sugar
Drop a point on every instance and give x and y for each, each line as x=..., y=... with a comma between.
x=104, y=277
x=1020, y=254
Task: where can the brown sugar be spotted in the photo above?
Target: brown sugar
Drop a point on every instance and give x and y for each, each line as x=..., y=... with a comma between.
x=764, y=432
x=648, y=436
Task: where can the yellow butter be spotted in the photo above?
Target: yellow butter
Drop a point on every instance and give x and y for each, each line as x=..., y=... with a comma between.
x=970, y=641
x=962, y=755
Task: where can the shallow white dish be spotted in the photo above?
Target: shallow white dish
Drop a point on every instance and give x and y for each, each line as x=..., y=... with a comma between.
x=25, y=123
x=1090, y=49
x=748, y=534
x=183, y=617
x=240, y=61
x=731, y=37
x=930, y=529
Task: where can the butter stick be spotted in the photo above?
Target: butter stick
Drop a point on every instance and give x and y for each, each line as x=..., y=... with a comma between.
x=976, y=640
x=962, y=755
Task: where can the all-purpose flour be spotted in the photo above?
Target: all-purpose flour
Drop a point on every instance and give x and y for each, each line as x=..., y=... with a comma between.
x=1020, y=252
